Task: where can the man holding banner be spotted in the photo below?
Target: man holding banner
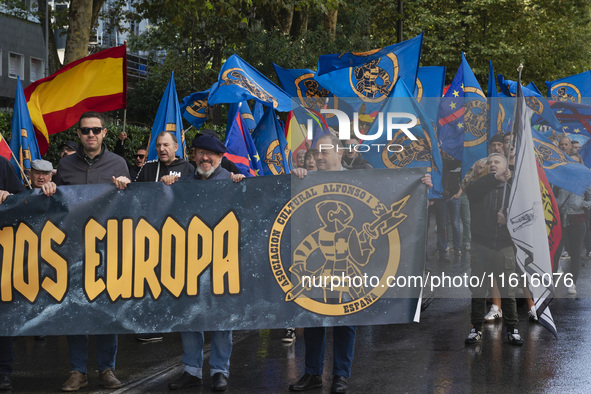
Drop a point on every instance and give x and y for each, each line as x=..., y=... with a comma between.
x=209, y=151
x=91, y=164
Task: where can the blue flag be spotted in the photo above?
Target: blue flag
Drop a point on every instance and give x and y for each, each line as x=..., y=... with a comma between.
x=239, y=81
x=574, y=88
x=195, y=108
x=462, y=127
x=257, y=111
x=168, y=118
x=494, y=126
x=270, y=141
x=23, y=142
x=561, y=170
x=585, y=154
x=370, y=76
x=241, y=149
x=534, y=100
x=424, y=152
x=244, y=112
x=305, y=90
x=429, y=89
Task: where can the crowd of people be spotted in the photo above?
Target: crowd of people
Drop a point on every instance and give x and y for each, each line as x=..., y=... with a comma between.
x=470, y=216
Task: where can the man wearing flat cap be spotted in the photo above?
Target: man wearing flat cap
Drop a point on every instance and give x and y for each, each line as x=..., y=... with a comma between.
x=208, y=156
x=41, y=173
x=226, y=163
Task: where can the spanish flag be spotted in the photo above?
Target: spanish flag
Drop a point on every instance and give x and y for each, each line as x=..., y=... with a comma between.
x=94, y=83
x=5, y=149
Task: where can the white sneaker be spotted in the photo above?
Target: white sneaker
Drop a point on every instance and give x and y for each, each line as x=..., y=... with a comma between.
x=494, y=314
x=572, y=289
x=533, y=316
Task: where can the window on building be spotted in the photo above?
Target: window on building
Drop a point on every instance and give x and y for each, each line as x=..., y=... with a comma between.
x=16, y=65
x=37, y=69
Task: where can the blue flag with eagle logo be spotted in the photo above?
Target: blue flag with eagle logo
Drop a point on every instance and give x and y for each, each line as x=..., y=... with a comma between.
x=168, y=118
x=574, y=88
x=369, y=77
x=462, y=127
x=239, y=81
x=195, y=108
x=23, y=142
x=401, y=151
x=269, y=139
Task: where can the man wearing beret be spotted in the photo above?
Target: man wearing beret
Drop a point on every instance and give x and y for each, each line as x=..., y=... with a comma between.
x=209, y=151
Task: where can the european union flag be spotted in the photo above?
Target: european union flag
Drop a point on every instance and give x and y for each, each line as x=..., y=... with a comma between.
x=429, y=89
x=195, y=108
x=246, y=115
x=574, y=118
x=168, y=118
x=561, y=170
x=241, y=149
x=371, y=75
x=23, y=142
x=424, y=152
x=534, y=100
x=574, y=88
x=269, y=139
x=239, y=81
x=462, y=127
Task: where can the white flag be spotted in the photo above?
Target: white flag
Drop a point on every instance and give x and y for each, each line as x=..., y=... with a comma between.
x=525, y=217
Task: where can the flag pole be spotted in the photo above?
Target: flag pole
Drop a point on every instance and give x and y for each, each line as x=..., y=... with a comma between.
x=19, y=166
x=519, y=69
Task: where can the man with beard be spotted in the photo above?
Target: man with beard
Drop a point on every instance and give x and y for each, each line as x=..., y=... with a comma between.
x=208, y=156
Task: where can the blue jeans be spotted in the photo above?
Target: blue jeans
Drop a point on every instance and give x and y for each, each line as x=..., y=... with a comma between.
x=442, y=206
x=343, y=349
x=219, y=359
x=6, y=355
x=106, y=352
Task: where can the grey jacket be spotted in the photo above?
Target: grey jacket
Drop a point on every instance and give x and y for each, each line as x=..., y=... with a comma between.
x=571, y=204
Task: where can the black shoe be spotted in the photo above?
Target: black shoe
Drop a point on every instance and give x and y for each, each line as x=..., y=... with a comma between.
x=306, y=382
x=184, y=381
x=5, y=383
x=219, y=382
x=339, y=384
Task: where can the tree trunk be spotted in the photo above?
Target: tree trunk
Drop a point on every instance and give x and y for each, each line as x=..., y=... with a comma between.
x=79, y=25
x=331, y=23
x=285, y=18
x=299, y=26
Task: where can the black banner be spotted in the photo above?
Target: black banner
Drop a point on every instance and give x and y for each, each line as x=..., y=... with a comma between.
x=269, y=252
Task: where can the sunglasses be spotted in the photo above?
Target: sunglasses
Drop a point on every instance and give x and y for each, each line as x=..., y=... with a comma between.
x=87, y=130
x=140, y=156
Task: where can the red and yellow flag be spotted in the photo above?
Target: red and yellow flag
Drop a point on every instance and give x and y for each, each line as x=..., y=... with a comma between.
x=94, y=83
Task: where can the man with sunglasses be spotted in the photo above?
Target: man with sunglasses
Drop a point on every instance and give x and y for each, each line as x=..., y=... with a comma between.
x=91, y=164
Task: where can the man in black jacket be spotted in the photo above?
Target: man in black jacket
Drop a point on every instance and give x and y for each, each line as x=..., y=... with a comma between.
x=167, y=163
x=91, y=164
x=492, y=250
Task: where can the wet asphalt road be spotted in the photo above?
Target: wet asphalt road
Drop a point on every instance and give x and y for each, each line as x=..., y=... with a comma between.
x=416, y=358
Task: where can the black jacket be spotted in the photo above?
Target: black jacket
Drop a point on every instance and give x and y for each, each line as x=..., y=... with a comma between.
x=77, y=169
x=358, y=163
x=485, y=196
x=8, y=179
x=153, y=170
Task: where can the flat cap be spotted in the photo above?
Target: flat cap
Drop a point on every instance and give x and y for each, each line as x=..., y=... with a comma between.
x=42, y=165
